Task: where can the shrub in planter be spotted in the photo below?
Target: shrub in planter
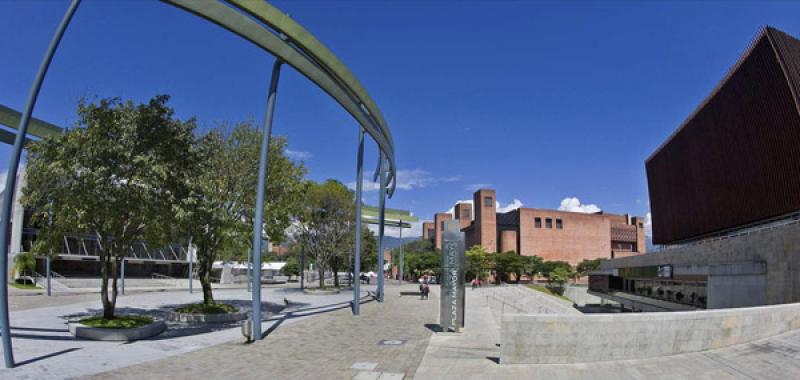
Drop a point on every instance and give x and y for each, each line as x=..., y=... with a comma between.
x=201, y=308
x=119, y=322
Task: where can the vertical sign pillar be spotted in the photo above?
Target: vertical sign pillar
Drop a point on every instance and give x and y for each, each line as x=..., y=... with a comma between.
x=451, y=310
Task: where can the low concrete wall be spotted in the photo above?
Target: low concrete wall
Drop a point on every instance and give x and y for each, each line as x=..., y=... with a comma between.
x=521, y=299
x=543, y=339
x=580, y=295
x=136, y=333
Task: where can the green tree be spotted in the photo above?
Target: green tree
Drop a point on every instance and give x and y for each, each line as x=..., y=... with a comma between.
x=545, y=268
x=369, y=250
x=558, y=277
x=120, y=175
x=419, y=263
x=326, y=225
x=24, y=263
x=219, y=212
x=292, y=267
x=586, y=266
x=510, y=262
x=531, y=265
x=479, y=262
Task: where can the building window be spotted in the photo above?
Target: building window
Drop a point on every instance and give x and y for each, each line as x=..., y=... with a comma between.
x=487, y=201
x=537, y=222
x=431, y=232
x=442, y=226
x=641, y=225
x=559, y=224
x=465, y=214
x=548, y=223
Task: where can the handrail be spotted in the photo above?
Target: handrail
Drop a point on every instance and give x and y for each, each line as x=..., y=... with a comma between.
x=56, y=274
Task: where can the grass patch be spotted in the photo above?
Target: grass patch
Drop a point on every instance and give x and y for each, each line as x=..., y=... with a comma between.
x=200, y=308
x=119, y=322
x=24, y=286
x=549, y=291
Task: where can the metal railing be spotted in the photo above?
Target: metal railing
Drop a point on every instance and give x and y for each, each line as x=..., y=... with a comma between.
x=88, y=246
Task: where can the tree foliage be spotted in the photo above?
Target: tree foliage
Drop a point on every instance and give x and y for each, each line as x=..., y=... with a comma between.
x=120, y=175
x=479, y=262
x=586, y=266
x=419, y=257
x=219, y=211
x=24, y=263
x=326, y=225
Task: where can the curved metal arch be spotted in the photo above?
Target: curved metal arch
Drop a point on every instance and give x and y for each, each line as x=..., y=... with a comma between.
x=307, y=43
x=325, y=70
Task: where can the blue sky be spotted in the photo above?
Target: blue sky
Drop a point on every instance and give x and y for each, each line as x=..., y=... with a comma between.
x=538, y=100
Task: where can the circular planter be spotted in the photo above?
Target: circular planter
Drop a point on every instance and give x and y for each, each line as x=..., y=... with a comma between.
x=318, y=292
x=206, y=318
x=97, y=333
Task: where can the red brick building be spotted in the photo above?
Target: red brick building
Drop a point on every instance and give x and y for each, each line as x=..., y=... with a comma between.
x=549, y=234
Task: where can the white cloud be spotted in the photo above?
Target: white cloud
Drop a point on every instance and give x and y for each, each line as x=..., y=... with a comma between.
x=515, y=204
x=409, y=180
x=452, y=210
x=3, y=176
x=648, y=225
x=511, y=206
x=298, y=155
x=574, y=204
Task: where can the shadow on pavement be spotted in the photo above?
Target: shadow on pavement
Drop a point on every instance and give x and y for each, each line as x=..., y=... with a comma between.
x=50, y=355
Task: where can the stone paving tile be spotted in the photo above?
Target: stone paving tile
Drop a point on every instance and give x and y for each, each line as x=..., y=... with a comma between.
x=323, y=347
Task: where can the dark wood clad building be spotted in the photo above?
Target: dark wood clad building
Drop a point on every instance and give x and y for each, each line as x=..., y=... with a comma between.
x=736, y=159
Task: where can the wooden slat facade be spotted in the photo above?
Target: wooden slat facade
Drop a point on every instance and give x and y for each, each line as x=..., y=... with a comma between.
x=736, y=160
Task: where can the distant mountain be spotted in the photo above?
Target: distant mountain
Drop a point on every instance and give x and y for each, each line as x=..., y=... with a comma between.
x=391, y=242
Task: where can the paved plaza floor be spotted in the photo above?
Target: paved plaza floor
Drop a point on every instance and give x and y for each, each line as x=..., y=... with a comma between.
x=317, y=337
x=44, y=349
x=332, y=345
x=474, y=354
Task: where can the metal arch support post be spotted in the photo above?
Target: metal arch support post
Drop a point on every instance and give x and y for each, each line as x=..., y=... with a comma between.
x=259, y=215
x=122, y=274
x=381, y=218
x=400, y=267
x=191, y=259
x=11, y=178
x=357, y=257
x=302, y=266
x=48, y=275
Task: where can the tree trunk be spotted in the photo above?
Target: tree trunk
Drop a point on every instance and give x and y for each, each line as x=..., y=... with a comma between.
x=321, y=277
x=105, y=269
x=204, y=273
x=335, y=269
